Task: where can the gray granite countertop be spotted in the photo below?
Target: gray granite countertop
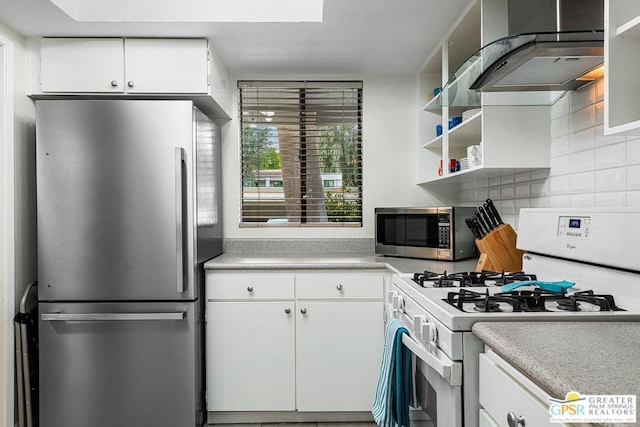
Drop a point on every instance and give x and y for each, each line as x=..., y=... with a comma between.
x=305, y=261
x=587, y=357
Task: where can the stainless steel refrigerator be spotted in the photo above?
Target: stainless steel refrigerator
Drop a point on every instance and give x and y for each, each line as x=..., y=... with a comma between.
x=128, y=196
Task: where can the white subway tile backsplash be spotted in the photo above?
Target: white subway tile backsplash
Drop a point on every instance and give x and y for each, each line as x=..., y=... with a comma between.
x=611, y=179
x=610, y=156
x=540, y=202
x=522, y=190
x=559, y=165
x=539, y=188
x=560, y=107
x=582, y=140
x=583, y=98
x=540, y=174
x=633, y=151
x=560, y=126
x=581, y=161
x=560, y=146
x=494, y=193
x=599, y=89
x=601, y=139
x=508, y=207
x=559, y=184
x=495, y=181
x=587, y=168
x=559, y=201
x=582, y=183
x=618, y=198
x=599, y=119
x=582, y=200
x=582, y=119
x=507, y=191
x=633, y=177
x=507, y=179
x=633, y=199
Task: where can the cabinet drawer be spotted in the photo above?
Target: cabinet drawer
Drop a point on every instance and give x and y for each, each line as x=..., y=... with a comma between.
x=251, y=286
x=339, y=285
x=500, y=394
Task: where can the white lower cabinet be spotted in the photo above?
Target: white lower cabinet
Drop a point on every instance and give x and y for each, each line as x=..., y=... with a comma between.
x=338, y=350
x=250, y=355
x=310, y=342
x=505, y=393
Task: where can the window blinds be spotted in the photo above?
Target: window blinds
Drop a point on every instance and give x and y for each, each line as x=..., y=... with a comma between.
x=301, y=152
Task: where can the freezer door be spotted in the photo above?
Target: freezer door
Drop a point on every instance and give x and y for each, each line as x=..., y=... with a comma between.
x=125, y=365
x=114, y=178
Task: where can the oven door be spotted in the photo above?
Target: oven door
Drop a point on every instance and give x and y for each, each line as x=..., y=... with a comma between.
x=437, y=378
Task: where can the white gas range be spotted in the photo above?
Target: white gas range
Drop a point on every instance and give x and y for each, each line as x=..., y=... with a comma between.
x=589, y=256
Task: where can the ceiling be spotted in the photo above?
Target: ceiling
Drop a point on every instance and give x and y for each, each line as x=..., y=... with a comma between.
x=356, y=36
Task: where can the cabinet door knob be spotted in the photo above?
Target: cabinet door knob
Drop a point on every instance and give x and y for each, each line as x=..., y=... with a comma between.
x=114, y=83
x=339, y=287
x=287, y=310
x=515, y=421
x=303, y=311
x=130, y=83
x=250, y=288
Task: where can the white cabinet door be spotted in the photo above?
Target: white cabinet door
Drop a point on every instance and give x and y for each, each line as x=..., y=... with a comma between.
x=250, y=356
x=338, y=351
x=82, y=65
x=166, y=66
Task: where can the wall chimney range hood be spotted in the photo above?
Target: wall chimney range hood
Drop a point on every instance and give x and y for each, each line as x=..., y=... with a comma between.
x=554, y=45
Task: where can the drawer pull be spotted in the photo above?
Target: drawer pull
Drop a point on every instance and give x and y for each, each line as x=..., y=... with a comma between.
x=287, y=310
x=515, y=421
x=250, y=288
x=303, y=311
x=114, y=83
x=339, y=287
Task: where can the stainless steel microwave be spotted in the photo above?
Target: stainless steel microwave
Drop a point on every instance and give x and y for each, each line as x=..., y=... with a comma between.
x=430, y=233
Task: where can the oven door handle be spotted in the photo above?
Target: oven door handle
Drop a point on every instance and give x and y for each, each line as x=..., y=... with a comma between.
x=449, y=370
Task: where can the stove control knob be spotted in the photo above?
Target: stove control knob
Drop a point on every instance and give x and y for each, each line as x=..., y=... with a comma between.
x=390, y=296
x=515, y=421
x=398, y=302
x=418, y=323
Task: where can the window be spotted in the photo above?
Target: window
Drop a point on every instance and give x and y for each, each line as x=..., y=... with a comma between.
x=301, y=153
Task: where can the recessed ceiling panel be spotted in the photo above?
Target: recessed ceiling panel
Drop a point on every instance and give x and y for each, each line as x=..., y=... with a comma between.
x=192, y=10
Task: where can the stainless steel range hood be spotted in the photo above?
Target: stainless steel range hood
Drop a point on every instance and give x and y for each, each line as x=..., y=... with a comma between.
x=561, y=41
x=551, y=46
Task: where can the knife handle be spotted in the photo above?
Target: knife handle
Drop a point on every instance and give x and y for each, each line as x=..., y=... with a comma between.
x=494, y=211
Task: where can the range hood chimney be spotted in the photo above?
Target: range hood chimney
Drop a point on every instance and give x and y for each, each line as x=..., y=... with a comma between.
x=552, y=45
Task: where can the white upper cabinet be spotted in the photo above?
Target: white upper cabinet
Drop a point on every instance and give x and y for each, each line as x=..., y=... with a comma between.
x=82, y=65
x=124, y=65
x=621, y=59
x=166, y=65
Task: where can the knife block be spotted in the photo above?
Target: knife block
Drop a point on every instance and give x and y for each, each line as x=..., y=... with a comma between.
x=498, y=250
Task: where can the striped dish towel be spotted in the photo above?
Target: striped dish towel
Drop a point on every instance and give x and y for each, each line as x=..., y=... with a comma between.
x=394, y=391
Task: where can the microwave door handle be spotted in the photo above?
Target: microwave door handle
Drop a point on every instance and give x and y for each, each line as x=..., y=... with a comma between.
x=450, y=371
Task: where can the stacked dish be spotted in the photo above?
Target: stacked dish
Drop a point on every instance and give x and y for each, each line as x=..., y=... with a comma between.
x=466, y=115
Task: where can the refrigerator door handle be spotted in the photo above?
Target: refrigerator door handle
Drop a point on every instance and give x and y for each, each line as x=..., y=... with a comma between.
x=179, y=159
x=112, y=316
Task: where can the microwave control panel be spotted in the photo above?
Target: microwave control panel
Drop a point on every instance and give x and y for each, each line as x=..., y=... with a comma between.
x=444, y=230
x=574, y=227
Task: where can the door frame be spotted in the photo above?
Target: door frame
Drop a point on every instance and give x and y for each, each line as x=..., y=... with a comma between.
x=7, y=282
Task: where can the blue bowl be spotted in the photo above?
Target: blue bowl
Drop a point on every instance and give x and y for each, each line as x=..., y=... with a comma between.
x=438, y=130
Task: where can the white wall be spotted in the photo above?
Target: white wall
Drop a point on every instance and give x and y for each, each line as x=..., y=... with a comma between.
x=588, y=169
x=18, y=205
x=389, y=147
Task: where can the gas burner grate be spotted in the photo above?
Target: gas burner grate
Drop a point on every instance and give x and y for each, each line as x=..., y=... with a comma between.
x=469, y=279
x=529, y=301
